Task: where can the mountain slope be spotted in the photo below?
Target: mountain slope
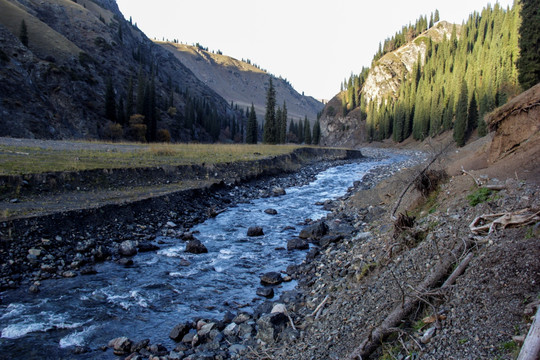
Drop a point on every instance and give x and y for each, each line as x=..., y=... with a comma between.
x=384, y=80
x=55, y=87
x=242, y=83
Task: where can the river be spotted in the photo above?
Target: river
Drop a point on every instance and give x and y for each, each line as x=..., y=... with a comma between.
x=169, y=286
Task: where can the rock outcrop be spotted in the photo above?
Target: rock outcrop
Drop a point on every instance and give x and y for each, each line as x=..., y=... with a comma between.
x=384, y=80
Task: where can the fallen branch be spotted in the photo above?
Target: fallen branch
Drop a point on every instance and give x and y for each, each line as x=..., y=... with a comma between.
x=531, y=347
x=458, y=271
x=476, y=181
x=317, y=310
x=487, y=223
x=400, y=198
x=403, y=309
x=495, y=187
x=292, y=323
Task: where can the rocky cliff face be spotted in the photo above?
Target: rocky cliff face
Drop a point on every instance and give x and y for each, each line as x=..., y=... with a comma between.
x=55, y=86
x=243, y=83
x=340, y=130
x=384, y=79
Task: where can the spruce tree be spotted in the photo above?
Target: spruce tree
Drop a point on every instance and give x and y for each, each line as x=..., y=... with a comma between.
x=283, y=124
x=460, y=125
x=129, y=102
x=472, y=122
x=269, y=133
x=307, y=132
x=529, y=43
x=251, y=131
x=121, y=114
x=316, y=133
x=23, y=33
x=110, y=102
x=279, y=119
x=141, y=86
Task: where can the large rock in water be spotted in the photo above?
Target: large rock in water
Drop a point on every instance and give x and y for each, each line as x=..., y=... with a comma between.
x=315, y=231
x=278, y=191
x=271, y=278
x=270, y=325
x=179, y=331
x=196, y=247
x=121, y=345
x=127, y=248
x=255, y=231
x=297, y=244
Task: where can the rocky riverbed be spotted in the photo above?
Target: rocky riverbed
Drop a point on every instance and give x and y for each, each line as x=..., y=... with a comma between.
x=54, y=256
x=357, y=271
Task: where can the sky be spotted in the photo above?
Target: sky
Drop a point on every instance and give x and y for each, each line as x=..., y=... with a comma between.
x=314, y=44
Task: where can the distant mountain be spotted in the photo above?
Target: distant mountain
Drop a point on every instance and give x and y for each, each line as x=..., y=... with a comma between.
x=241, y=82
x=56, y=87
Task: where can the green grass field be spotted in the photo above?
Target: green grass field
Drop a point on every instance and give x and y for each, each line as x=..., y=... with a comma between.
x=17, y=160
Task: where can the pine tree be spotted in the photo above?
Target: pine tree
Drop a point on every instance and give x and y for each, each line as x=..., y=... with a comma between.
x=121, y=114
x=316, y=133
x=307, y=132
x=529, y=43
x=23, y=33
x=141, y=86
x=269, y=133
x=460, y=125
x=110, y=102
x=129, y=103
x=251, y=131
x=279, y=119
x=283, y=124
x=472, y=122
x=482, y=128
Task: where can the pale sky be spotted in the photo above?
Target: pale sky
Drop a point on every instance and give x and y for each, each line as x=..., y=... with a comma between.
x=314, y=44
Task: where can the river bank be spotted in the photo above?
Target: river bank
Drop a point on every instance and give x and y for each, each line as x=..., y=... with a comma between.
x=90, y=248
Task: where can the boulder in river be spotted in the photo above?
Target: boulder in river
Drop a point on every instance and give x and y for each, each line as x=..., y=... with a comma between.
x=271, y=278
x=297, y=244
x=179, y=331
x=195, y=246
x=315, y=231
x=147, y=247
x=127, y=248
x=278, y=191
x=255, y=231
x=266, y=292
x=270, y=325
x=271, y=211
x=120, y=345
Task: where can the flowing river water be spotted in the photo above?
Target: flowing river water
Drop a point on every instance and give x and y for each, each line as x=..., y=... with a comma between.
x=170, y=286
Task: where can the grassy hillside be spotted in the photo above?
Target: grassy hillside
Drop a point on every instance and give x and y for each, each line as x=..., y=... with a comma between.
x=43, y=40
x=242, y=83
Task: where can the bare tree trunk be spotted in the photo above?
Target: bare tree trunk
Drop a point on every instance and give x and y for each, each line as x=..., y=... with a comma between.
x=410, y=303
x=531, y=347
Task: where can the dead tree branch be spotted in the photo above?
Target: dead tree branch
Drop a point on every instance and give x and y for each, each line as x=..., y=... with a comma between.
x=400, y=198
x=402, y=310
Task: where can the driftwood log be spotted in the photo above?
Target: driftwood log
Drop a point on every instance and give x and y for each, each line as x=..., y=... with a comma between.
x=487, y=223
x=531, y=347
x=410, y=302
